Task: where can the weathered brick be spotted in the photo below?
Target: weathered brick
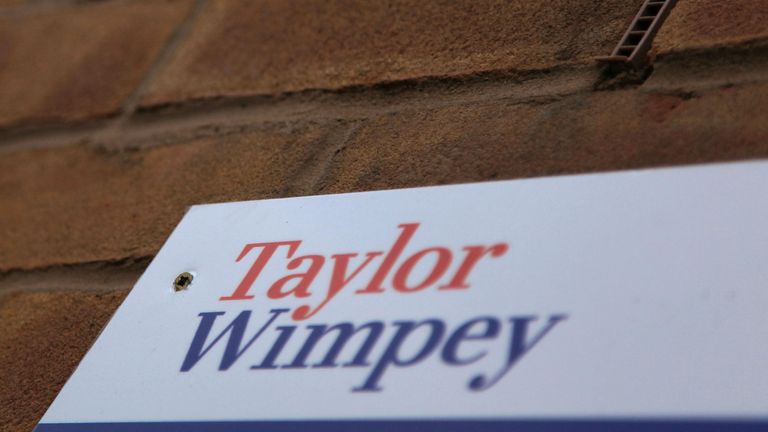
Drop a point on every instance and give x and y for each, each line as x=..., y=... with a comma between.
x=79, y=61
x=699, y=24
x=44, y=335
x=80, y=204
x=581, y=133
x=273, y=46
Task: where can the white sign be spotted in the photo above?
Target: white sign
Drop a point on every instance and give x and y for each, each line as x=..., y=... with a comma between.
x=623, y=301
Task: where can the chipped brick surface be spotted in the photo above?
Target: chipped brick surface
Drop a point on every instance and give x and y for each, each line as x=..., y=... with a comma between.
x=79, y=61
x=80, y=204
x=583, y=133
x=697, y=24
x=44, y=335
x=272, y=46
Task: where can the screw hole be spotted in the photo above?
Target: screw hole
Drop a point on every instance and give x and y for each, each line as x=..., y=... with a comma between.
x=182, y=281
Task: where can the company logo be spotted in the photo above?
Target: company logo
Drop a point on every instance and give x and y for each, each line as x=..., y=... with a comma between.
x=372, y=344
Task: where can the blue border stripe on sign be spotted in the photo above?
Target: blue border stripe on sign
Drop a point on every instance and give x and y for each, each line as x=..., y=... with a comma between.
x=638, y=425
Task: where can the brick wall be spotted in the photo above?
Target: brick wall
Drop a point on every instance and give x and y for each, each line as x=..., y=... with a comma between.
x=117, y=115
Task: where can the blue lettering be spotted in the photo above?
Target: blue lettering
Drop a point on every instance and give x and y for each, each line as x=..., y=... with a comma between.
x=518, y=347
x=391, y=357
x=236, y=330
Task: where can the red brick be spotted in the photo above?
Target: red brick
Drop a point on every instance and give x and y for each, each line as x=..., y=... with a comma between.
x=80, y=204
x=582, y=133
x=711, y=23
x=273, y=46
x=80, y=61
x=44, y=336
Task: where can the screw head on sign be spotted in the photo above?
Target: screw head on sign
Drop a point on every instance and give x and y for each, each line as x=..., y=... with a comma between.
x=182, y=281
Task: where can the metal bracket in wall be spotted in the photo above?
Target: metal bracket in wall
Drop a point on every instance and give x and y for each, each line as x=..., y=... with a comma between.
x=633, y=48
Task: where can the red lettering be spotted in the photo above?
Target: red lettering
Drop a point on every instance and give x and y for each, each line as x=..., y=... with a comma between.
x=400, y=281
x=241, y=292
x=374, y=286
x=299, y=285
x=474, y=253
x=305, y=279
x=338, y=281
